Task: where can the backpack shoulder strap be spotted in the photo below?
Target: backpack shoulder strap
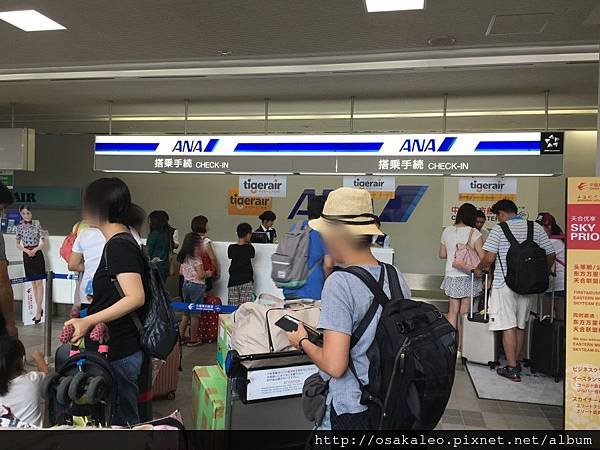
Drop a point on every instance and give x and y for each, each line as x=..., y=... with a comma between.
x=509, y=236
x=529, y=231
x=394, y=281
x=133, y=314
x=379, y=298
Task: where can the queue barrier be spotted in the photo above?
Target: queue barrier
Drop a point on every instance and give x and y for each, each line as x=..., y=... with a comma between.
x=201, y=307
x=49, y=277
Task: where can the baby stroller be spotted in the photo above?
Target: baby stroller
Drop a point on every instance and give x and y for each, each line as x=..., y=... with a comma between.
x=82, y=391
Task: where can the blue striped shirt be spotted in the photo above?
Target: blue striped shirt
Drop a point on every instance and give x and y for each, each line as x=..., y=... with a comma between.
x=498, y=244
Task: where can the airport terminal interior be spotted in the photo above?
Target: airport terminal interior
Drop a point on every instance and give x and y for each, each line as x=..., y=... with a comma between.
x=201, y=106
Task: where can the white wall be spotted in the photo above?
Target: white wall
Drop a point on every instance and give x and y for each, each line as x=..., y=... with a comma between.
x=67, y=161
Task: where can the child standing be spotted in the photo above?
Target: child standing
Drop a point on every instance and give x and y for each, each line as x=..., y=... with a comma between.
x=21, y=390
x=194, y=284
x=241, y=274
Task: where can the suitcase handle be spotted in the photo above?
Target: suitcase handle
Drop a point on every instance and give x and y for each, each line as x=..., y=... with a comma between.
x=541, y=296
x=485, y=294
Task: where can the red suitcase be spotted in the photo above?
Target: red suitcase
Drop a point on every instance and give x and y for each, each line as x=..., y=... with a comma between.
x=209, y=322
x=167, y=378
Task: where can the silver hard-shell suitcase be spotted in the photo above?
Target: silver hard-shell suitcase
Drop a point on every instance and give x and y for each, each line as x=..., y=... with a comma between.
x=478, y=342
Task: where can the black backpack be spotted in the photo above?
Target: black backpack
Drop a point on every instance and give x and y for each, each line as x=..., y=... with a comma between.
x=526, y=264
x=411, y=360
x=156, y=321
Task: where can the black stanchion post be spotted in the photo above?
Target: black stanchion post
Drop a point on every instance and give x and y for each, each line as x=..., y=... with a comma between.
x=48, y=321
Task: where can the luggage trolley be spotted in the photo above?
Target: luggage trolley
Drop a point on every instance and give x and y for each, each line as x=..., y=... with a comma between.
x=264, y=391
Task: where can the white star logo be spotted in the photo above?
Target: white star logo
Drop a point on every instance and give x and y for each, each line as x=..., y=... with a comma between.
x=552, y=141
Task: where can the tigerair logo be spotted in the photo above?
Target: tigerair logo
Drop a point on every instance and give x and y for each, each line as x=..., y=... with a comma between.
x=481, y=187
x=255, y=187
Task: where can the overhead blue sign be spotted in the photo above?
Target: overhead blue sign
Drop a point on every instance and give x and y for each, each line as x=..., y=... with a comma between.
x=459, y=144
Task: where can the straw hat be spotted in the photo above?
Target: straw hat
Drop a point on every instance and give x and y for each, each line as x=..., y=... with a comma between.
x=350, y=209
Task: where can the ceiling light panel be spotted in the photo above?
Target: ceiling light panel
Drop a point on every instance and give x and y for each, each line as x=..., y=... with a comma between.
x=30, y=20
x=393, y=5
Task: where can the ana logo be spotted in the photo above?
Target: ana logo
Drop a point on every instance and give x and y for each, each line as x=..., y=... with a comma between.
x=427, y=145
x=418, y=145
x=186, y=146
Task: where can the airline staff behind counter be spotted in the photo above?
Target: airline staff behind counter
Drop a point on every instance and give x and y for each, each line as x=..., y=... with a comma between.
x=269, y=235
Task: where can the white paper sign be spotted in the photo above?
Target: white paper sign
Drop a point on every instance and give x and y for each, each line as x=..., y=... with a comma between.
x=280, y=382
x=378, y=186
x=262, y=185
x=32, y=302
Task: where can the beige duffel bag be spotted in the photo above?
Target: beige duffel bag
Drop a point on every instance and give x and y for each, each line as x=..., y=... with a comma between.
x=254, y=330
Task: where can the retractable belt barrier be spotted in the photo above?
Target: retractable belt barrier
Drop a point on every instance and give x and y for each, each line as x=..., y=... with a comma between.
x=55, y=276
x=201, y=307
x=49, y=277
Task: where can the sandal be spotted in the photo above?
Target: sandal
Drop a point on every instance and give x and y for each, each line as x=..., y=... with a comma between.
x=183, y=339
x=194, y=343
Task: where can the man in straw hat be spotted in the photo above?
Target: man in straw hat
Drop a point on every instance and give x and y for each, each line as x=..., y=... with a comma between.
x=347, y=226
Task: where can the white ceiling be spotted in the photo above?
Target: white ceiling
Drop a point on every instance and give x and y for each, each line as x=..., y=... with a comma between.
x=117, y=31
x=117, y=35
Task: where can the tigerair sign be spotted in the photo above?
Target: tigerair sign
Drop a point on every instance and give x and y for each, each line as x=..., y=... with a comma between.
x=488, y=189
x=263, y=185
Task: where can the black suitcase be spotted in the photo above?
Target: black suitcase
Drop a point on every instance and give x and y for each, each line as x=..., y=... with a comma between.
x=547, y=352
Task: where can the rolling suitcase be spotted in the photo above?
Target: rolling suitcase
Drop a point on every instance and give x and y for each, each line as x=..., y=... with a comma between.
x=167, y=379
x=209, y=321
x=547, y=352
x=478, y=342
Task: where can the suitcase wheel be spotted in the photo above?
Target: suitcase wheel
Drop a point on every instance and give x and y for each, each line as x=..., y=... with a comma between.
x=532, y=370
x=492, y=364
x=526, y=362
x=557, y=379
x=171, y=395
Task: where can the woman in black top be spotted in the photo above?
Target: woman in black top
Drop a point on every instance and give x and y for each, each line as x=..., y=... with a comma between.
x=106, y=206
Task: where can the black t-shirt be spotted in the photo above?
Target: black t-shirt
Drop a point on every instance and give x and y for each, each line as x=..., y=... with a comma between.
x=123, y=255
x=240, y=270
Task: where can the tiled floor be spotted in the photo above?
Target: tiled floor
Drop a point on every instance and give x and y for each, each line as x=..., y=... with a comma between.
x=464, y=411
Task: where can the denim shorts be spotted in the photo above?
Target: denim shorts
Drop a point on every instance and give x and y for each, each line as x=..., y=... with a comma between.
x=193, y=292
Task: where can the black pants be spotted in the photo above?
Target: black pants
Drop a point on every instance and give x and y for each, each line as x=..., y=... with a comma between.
x=2, y=325
x=358, y=421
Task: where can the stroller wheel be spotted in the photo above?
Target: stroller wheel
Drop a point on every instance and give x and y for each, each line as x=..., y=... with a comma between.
x=49, y=384
x=62, y=390
x=95, y=390
x=77, y=386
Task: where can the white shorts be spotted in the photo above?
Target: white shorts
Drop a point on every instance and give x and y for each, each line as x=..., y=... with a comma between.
x=507, y=309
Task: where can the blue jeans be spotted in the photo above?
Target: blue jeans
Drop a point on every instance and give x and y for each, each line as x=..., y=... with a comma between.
x=193, y=292
x=127, y=370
